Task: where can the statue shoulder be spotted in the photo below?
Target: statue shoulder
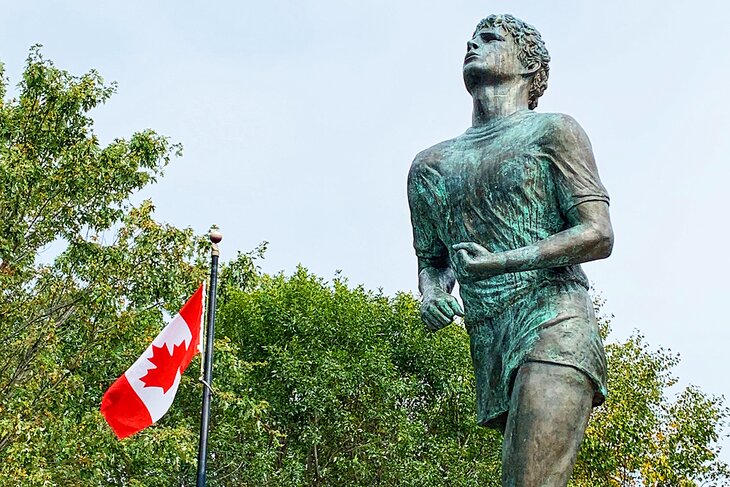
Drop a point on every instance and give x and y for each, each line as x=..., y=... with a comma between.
x=428, y=166
x=432, y=157
x=556, y=121
x=561, y=129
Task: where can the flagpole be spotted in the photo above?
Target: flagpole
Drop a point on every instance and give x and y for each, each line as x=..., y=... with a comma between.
x=215, y=238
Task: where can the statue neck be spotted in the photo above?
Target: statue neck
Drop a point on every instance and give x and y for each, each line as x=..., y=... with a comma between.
x=497, y=101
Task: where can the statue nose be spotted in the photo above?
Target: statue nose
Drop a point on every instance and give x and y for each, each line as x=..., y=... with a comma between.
x=471, y=45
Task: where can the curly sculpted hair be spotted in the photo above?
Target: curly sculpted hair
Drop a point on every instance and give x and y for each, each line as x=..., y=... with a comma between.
x=533, y=53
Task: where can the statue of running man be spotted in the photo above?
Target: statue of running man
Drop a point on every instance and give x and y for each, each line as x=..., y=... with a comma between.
x=509, y=209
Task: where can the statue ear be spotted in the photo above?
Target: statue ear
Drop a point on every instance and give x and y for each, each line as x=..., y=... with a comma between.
x=532, y=68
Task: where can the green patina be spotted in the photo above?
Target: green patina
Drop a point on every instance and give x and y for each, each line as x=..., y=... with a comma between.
x=507, y=185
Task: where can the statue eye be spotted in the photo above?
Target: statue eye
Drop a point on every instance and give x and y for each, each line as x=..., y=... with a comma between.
x=490, y=36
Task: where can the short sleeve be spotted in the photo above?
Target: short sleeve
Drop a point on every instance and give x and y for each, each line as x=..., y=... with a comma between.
x=574, y=167
x=429, y=248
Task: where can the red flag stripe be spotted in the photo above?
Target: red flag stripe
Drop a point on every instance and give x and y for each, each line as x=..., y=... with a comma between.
x=124, y=410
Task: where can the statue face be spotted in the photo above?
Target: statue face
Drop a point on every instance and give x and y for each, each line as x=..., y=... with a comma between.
x=491, y=57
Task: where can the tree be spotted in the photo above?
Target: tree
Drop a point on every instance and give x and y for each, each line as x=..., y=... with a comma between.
x=69, y=322
x=640, y=437
x=357, y=391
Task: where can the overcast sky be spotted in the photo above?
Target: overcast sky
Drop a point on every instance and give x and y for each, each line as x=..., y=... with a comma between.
x=300, y=119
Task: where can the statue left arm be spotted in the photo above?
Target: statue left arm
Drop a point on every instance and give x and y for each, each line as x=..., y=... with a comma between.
x=589, y=238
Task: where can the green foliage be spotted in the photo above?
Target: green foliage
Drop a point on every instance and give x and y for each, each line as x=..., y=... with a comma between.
x=358, y=392
x=640, y=437
x=71, y=322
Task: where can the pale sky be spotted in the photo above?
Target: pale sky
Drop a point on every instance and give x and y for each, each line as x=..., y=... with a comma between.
x=300, y=119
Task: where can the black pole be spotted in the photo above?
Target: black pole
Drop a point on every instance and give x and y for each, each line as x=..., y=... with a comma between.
x=215, y=238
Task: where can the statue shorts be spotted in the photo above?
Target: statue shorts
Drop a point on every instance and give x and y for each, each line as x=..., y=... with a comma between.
x=554, y=323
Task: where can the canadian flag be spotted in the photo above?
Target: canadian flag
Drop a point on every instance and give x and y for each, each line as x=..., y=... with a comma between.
x=145, y=392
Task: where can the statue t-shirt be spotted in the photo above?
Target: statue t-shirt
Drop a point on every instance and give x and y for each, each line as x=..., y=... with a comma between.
x=506, y=185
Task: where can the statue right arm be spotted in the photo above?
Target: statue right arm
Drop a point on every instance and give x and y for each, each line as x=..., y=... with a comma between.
x=435, y=276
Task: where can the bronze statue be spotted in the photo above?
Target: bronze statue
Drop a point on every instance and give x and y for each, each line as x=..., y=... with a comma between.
x=509, y=209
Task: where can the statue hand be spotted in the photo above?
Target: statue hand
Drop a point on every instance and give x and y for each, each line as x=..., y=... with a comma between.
x=438, y=309
x=476, y=263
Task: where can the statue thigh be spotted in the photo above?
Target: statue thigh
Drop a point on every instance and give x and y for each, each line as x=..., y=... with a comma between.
x=549, y=410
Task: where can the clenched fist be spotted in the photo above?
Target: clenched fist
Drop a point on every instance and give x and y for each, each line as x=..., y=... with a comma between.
x=438, y=309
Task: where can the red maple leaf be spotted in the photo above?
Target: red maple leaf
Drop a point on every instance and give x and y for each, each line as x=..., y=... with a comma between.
x=166, y=366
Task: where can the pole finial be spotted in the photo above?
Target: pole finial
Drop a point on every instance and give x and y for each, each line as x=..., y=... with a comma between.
x=215, y=238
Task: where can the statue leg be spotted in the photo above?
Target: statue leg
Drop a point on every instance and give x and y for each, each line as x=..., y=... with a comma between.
x=549, y=411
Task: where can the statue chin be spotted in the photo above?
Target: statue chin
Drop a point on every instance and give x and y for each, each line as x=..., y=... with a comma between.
x=473, y=78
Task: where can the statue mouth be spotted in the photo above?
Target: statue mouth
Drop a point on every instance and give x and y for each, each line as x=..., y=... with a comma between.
x=470, y=56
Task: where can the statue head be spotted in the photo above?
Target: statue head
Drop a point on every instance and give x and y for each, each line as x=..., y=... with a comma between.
x=521, y=41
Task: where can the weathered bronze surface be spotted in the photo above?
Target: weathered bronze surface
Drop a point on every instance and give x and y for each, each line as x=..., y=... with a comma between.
x=509, y=209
